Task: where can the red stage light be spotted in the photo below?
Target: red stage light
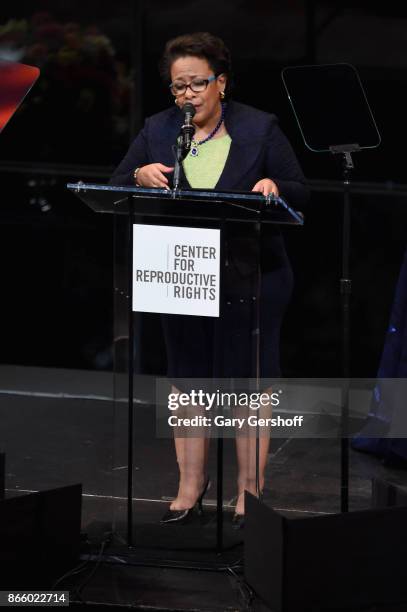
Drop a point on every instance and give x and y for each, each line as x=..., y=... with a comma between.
x=16, y=81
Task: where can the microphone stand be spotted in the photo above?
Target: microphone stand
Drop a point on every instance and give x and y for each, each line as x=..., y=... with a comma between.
x=183, y=145
x=179, y=155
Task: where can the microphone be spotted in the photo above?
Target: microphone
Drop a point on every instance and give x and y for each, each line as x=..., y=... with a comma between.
x=188, y=128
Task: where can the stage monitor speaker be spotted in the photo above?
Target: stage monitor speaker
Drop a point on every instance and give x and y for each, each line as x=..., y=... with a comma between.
x=40, y=537
x=2, y=475
x=326, y=562
x=386, y=494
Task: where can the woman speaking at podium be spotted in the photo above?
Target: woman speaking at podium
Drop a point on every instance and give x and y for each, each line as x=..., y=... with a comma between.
x=235, y=147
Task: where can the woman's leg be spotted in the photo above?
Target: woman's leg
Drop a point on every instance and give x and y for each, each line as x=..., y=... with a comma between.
x=192, y=458
x=189, y=349
x=192, y=455
x=246, y=463
x=276, y=289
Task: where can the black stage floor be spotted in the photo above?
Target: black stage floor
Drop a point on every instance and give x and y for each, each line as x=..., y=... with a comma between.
x=61, y=427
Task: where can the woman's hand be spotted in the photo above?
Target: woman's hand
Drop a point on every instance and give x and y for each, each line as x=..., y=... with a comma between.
x=153, y=175
x=266, y=186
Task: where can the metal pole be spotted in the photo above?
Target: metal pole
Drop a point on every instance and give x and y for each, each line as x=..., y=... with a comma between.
x=130, y=415
x=136, y=54
x=346, y=290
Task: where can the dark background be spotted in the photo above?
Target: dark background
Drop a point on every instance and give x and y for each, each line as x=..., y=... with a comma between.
x=99, y=79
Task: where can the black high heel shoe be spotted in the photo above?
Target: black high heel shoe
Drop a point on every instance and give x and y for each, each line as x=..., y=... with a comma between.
x=182, y=516
x=238, y=519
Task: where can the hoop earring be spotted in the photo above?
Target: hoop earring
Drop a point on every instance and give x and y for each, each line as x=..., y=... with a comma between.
x=222, y=95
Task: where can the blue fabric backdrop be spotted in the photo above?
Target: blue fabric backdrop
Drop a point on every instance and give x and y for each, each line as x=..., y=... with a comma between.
x=393, y=364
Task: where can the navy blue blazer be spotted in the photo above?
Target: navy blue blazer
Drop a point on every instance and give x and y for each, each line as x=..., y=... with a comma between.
x=259, y=150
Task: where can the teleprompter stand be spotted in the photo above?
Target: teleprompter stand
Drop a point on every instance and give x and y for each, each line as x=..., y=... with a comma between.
x=334, y=116
x=189, y=209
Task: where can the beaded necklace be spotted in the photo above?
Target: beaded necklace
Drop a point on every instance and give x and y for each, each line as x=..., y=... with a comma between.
x=195, y=143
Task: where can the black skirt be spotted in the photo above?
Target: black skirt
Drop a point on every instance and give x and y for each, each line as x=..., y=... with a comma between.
x=207, y=347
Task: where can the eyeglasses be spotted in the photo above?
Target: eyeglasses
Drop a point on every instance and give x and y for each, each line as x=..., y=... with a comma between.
x=197, y=85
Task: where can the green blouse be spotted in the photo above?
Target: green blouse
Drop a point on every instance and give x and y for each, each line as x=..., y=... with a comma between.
x=204, y=170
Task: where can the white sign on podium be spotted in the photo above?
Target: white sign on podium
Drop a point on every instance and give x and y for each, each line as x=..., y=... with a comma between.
x=176, y=270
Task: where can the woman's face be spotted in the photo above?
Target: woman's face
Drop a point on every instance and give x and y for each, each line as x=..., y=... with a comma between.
x=206, y=102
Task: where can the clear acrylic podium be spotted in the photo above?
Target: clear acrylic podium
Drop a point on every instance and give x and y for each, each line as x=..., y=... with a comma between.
x=145, y=472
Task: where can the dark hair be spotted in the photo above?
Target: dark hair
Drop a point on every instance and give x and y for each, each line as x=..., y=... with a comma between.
x=198, y=44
